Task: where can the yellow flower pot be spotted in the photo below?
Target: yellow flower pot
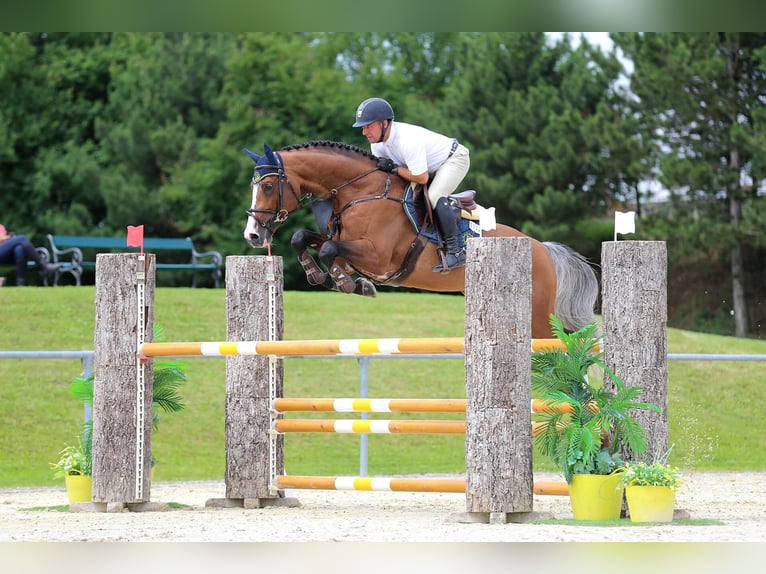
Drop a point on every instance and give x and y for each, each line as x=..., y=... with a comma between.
x=650, y=503
x=78, y=487
x=596, y=496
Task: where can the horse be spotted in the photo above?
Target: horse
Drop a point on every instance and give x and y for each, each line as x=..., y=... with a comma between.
x=367, y=232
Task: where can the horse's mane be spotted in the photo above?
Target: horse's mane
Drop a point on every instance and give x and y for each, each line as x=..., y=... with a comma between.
x=331, y=144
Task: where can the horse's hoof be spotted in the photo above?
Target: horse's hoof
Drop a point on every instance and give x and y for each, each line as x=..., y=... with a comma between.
x=365, y=288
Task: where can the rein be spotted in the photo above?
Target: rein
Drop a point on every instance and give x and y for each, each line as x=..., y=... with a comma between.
x=337, y=216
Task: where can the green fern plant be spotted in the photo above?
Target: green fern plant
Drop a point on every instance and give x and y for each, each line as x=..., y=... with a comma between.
x=587, y=439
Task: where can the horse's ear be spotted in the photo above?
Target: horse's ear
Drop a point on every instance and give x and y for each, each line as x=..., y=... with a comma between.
x=254, y=156
x=269, y=155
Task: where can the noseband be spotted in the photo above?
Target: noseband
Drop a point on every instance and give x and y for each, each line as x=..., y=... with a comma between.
x=278, y=215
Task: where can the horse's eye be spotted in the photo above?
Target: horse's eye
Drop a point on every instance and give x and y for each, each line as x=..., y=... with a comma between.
x=267, y=187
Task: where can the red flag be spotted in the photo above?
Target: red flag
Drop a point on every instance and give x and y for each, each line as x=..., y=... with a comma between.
x=136, y=236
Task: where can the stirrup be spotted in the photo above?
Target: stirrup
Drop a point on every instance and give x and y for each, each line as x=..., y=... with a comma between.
x=446, y=266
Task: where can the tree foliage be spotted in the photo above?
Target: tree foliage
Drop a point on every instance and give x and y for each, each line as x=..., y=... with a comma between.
x=701, y=97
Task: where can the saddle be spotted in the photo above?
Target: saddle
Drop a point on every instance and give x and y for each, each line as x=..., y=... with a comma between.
x=466, y=202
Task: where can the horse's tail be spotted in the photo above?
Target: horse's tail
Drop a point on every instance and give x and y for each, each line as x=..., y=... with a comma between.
x=576, y=287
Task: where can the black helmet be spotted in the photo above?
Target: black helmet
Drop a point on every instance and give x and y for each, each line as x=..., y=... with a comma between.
x=373, y=110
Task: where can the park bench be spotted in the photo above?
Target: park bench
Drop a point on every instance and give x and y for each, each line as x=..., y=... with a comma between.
x=72, y=249
x=46, y=257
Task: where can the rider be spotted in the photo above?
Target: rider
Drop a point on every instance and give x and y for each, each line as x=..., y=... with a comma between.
x=418, y=154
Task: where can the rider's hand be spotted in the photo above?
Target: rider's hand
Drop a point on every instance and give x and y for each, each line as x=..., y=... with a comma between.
x=386, y=164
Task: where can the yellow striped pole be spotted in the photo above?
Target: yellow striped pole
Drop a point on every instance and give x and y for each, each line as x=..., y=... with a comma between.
x=323, y=347
x=386, y=484
x=359, y=405
x=551, y=488
x=370, y=426
x=372, y=483
x=371, y=405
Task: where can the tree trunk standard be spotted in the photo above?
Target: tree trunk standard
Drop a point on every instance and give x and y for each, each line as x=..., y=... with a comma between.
x=115, y=443
x=249, y=288
x=498, y=327
x=635, y=314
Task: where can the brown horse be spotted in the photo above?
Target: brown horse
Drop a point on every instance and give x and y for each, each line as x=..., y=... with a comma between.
x=369, y=233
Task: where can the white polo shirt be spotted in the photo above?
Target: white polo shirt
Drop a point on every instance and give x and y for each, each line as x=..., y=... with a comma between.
x=420, y=149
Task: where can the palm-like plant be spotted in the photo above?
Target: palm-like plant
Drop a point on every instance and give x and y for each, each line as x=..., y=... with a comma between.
x=587, y=439
x=168, y=377
x=166, y=396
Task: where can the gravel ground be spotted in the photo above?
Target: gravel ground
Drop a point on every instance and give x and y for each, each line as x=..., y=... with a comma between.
x=736, y=501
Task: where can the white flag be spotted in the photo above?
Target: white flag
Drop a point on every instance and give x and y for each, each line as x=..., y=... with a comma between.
x=487, y=221
x=624, y=222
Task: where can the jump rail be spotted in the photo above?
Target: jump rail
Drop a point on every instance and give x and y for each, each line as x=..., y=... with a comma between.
x=361, y=405
x=322, y=348
x=400, y=484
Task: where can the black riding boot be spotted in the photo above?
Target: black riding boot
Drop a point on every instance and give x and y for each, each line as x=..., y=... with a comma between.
x=447, y=223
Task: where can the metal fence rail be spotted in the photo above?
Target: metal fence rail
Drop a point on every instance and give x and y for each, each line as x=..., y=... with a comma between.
x=86, y=358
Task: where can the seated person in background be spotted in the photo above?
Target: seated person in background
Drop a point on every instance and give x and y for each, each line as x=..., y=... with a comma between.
x=17, y=249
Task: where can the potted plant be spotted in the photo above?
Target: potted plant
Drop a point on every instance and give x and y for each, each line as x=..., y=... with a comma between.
x=586, y=433
x=74, y=466
x=650, y=489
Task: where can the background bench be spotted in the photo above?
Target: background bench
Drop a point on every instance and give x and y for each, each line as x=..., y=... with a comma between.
x=31, y=265
x=72, y=250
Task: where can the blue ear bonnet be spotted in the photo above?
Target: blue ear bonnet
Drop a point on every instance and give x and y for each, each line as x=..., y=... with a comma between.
x=267, y=164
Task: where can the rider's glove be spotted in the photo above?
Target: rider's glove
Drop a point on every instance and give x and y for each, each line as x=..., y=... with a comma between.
x=386, y=164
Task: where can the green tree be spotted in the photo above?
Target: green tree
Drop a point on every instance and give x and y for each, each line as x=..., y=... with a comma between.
x=54, y=86
x=279, y=89
x=527, y=108
x=700, y=97
x=164, y=100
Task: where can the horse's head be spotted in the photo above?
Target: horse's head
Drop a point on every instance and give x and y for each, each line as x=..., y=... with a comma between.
x=269, y=207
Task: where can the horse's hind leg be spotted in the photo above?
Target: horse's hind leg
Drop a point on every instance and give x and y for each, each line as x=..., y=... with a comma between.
x=300, y=242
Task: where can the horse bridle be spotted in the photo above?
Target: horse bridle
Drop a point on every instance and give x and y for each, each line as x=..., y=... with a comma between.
x=278, y=215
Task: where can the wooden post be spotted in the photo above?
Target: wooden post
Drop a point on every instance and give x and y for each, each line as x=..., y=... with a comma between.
x=115, y=412
x=254, y=311
x=635, y=314
x=498, y=327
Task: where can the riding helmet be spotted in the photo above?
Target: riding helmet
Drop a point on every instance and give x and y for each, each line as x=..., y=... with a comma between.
x=373, y=110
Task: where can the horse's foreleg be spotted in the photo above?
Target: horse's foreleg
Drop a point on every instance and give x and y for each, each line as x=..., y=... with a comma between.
x=300, y=242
